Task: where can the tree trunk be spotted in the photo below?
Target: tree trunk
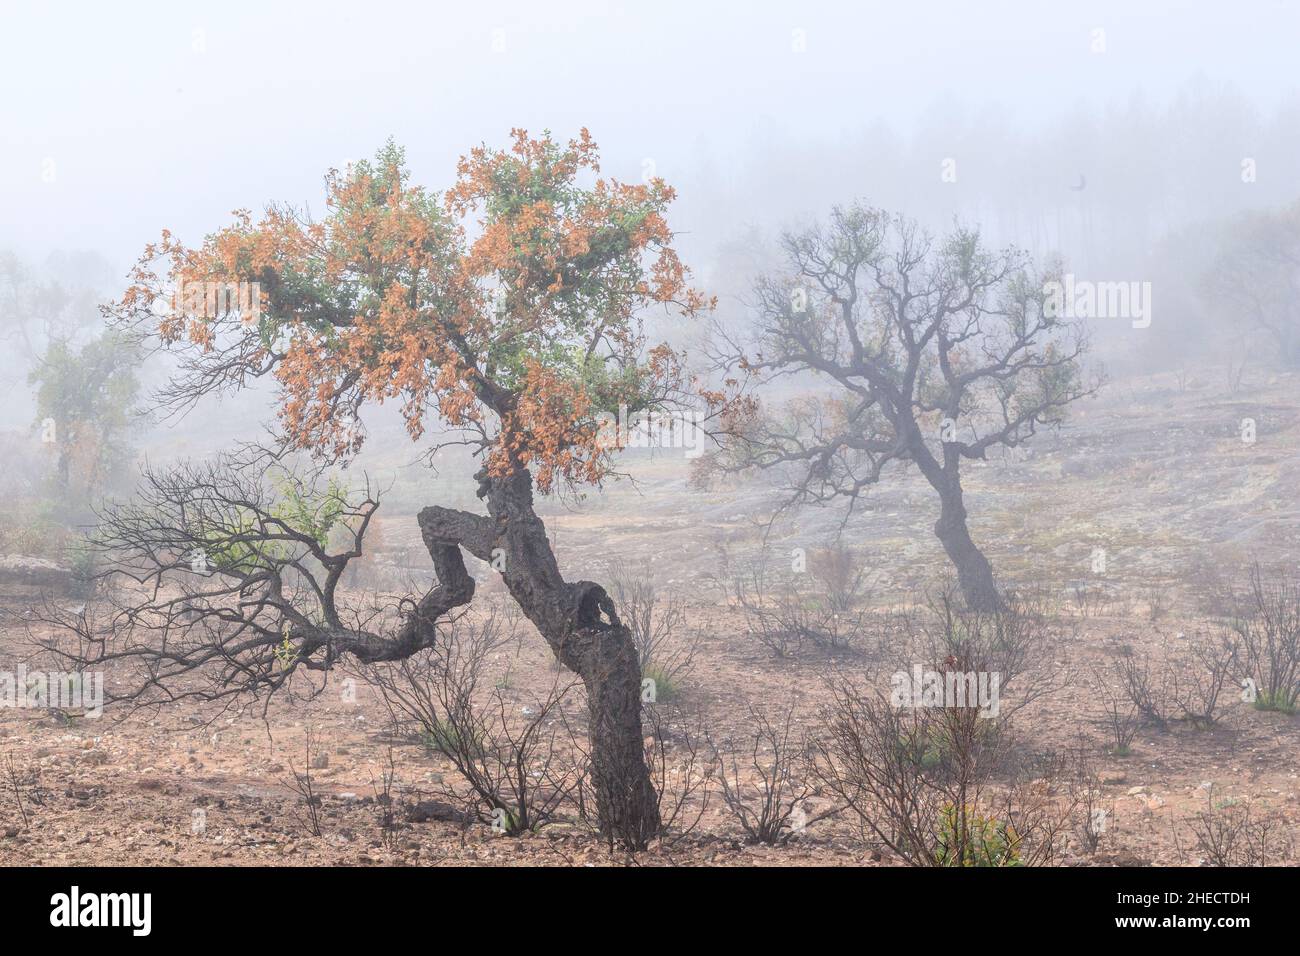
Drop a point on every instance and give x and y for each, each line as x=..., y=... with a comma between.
x=974, y=573
x=579, y=622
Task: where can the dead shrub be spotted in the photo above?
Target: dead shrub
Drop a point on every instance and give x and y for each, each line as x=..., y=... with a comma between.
x=1017, y=643
x=658, y=622
x=679, y=776
x=1093, y=813
x=824, y=607
x=878, y=761
x=301, y=785
x=1147, y=682
x=1121, y=719
x=1156, y=597
x=758, y=782
x=1201, y=673
x=1236, y=833
x=1179, y=679
x=509, y=758
x=1090, y=599
x=1267, y=622
x=14, y=781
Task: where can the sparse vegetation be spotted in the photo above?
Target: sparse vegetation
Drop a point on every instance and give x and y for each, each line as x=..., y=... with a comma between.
x=822, y=605
x=657, y=619
x=1235, y=833
x=941, y=514
x=768, y=801
x=512, y=772
x=1267, y=625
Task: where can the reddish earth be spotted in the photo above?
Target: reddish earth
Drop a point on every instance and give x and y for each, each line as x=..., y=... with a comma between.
x=180, y=787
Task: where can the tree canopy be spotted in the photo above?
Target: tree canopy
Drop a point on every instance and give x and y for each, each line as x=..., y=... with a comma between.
x=938, y=350
x=510, y=306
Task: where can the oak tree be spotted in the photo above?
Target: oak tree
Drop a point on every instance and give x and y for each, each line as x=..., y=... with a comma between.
x=1255, y=278
x=936, y=351
x=506, y=312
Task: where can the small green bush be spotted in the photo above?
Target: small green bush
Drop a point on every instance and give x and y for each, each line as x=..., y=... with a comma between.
x=667, y=688
x=1279, y=702
x=989, y=842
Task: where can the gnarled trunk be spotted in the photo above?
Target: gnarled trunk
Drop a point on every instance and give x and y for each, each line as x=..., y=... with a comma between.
x=579, y=622
x=974, y=573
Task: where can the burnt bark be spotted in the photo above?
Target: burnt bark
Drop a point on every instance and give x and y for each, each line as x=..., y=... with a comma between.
x=910, y=330
x=580, y=623
x=974, y=572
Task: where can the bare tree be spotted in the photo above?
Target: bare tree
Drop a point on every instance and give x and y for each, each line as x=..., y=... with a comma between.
x=1256, y=277
x=938, y=353
x=220, y=581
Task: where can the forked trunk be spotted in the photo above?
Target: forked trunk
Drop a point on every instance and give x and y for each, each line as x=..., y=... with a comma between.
x=579, y=622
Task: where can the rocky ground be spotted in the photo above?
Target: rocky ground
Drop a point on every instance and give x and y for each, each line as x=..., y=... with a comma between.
x=1154, y=473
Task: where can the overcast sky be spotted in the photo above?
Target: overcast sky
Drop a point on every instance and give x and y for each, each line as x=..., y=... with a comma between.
x=119, y=119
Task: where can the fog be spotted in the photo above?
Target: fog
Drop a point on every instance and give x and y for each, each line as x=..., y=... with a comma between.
x=1056, y=450
x=1096, y=131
